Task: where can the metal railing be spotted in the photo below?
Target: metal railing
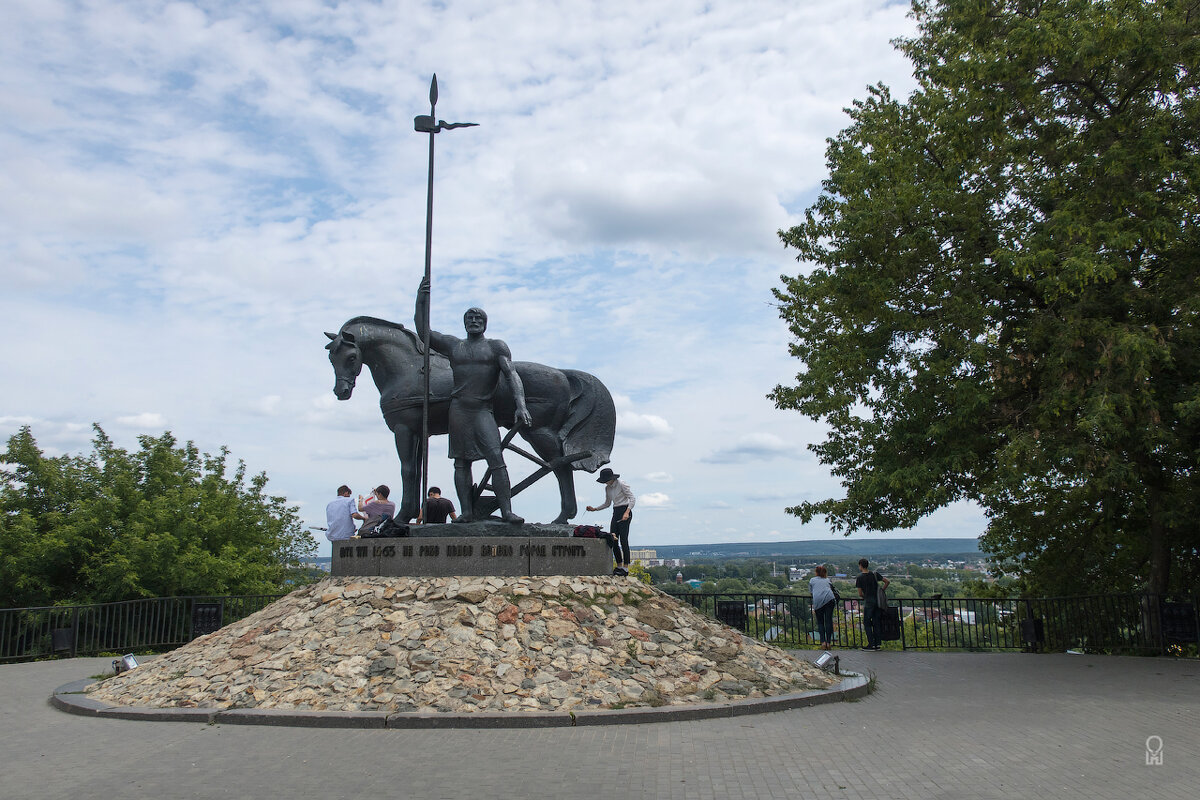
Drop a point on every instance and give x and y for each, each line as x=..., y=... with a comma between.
x=149, y=624
x=1100, y=623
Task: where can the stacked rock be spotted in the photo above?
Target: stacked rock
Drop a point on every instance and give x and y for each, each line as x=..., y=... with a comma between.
x=465, y=645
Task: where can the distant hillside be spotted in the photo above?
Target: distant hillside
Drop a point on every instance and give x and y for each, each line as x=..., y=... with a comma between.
x=823, y=548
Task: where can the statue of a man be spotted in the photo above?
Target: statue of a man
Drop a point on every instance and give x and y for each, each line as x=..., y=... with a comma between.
x=476, y=364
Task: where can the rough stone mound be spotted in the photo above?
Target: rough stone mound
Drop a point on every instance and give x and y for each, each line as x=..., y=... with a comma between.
x=465, y=645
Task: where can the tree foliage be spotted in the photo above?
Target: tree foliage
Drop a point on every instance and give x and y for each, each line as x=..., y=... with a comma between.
x=1004, y=290
x=117, y=525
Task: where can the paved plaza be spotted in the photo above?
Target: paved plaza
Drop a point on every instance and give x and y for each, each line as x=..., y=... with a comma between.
x=940, y=725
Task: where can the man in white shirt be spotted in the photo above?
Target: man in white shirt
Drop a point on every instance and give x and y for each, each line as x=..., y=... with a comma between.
x=617, y=494
x=340, y=515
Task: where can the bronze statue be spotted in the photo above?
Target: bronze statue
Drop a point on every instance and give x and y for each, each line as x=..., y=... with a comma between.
x=572, y=417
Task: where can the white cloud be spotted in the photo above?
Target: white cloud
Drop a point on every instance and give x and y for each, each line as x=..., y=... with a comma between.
x=145, y=421
x=658, y=477
x=642, y=426
x=654, y=500
x=357, y=454
x=771, y=496
x=268, y=405
x=753, y=447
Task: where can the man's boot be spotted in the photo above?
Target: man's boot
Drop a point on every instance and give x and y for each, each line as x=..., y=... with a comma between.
x=503, y=490
x=462, y=485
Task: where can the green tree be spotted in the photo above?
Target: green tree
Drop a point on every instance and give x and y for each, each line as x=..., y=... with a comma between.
x=731, y=586
x=116, y=525
x=638, y=572
x=1005, y=288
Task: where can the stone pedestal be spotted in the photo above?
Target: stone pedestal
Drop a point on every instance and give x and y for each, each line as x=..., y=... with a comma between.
x=441, y=556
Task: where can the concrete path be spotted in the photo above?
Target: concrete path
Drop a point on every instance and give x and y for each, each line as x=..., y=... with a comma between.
x=941, y=725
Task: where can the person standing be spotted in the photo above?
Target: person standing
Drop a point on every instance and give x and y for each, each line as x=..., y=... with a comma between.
x=618, y=495
x=340, y=516
x=868, y=584
x=823, y=602
x=437, y=508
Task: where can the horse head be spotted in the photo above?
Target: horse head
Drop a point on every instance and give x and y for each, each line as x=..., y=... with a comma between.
x=347, y=362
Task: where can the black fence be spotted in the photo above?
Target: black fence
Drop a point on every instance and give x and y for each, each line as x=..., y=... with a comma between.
x=150, y=624
x=1101, y=623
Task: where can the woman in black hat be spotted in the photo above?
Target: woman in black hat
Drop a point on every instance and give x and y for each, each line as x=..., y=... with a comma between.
x=618, y=495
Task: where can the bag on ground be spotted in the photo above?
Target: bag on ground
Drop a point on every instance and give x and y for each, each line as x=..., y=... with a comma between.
x=889, y=623
x=382, y=527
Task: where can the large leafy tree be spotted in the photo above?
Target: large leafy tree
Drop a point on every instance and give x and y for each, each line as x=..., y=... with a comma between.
x=1003, y=290
x=163, y=520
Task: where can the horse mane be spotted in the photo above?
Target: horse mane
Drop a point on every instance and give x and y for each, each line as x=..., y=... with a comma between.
x=383, y=323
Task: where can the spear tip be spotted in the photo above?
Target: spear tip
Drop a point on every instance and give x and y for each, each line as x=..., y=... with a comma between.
x=433, y=90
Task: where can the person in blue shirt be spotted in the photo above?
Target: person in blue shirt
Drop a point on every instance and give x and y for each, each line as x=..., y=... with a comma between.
x=340, y=515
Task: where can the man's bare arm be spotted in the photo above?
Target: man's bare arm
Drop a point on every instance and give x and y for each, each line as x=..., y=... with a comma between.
x=437, y=341
x=504, y=357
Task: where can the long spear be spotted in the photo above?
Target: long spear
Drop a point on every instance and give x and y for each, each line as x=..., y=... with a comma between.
x=431, y=125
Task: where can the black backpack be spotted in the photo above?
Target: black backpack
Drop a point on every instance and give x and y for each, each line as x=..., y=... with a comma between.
x=381, y=527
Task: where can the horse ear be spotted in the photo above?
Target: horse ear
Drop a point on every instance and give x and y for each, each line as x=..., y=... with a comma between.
x=347, y=336
x=331, y=336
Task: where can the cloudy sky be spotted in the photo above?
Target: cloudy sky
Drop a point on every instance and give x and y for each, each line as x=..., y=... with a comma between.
x=191, y=193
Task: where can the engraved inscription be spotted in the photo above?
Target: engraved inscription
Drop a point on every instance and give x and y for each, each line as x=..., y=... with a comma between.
x=468, y=556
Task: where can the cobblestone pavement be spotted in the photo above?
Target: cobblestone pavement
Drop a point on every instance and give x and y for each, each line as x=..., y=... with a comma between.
x=940, y=725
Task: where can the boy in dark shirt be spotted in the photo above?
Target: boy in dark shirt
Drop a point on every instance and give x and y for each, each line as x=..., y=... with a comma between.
x=868, y=584
x=437, y=508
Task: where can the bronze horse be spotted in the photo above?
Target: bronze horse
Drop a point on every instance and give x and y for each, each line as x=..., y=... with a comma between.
x=572, y=411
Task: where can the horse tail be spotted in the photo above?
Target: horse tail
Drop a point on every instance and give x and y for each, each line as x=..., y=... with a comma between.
x=591, y=422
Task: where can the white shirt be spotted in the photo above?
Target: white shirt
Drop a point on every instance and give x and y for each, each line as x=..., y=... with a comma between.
x=338, y=519
x=617, y=493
